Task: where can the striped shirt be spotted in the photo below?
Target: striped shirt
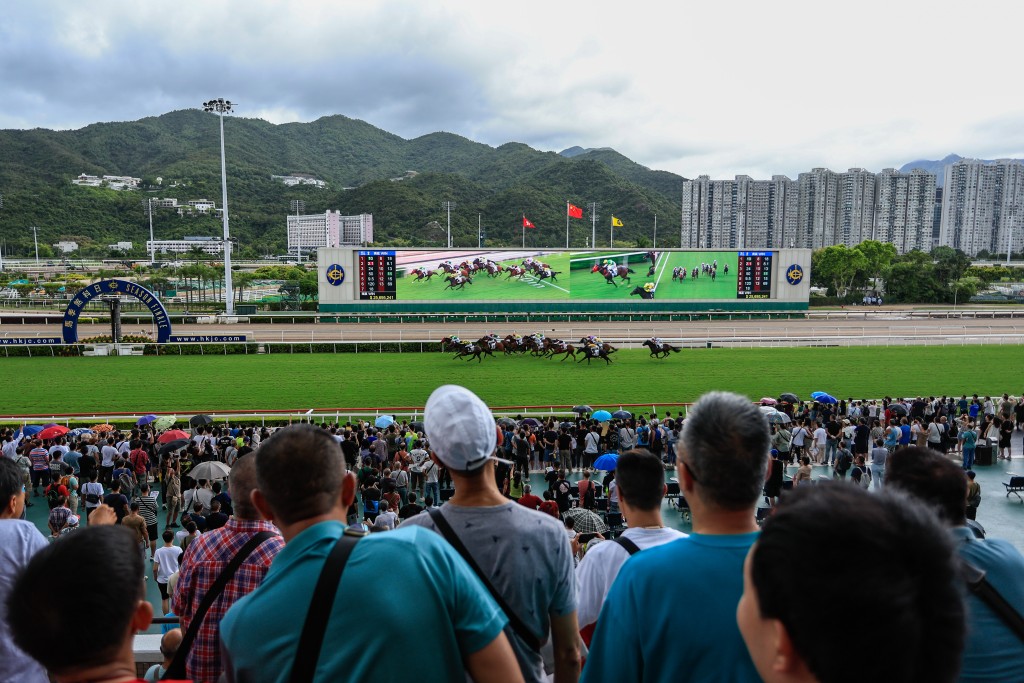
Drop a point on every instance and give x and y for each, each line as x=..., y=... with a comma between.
x=40, y=459
x=204, y=559
x=148, y=508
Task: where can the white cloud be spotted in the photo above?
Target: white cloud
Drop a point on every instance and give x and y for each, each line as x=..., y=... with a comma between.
x=717, y=88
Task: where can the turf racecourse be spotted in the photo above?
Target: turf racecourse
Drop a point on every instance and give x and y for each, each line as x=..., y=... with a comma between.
x=188, y=384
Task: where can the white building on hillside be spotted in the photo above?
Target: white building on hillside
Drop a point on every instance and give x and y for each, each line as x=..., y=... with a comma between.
x=329, y=229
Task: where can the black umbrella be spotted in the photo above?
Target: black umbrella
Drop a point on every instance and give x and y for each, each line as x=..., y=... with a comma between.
x=789, y=398
x=531, y=422
x=172, y=446
x=898, y=409
x=200, y=420
x=417, y=426
x=507, y=422
x=622, y=414
x=582, y=409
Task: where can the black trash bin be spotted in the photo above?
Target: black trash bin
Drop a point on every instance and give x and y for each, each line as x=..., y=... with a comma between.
x=984, y=455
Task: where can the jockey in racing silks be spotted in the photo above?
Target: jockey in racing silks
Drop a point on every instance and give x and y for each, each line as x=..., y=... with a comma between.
x=649, y=287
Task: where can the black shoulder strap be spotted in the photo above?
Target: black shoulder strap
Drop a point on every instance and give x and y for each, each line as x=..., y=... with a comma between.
x=987, y=593
x=307, y=654
x=518, y=625
x=631, y=547
x=176, y=670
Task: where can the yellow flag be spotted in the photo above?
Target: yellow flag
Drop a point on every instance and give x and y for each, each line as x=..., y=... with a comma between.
x=616, y=223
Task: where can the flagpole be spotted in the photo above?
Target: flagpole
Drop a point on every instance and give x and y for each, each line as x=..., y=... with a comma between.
x=655, y=231
x=611, y=233
x=479, y=242
x=567, y=224
x=524, y=231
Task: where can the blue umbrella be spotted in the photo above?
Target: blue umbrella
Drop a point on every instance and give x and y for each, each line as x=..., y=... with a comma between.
x=31, y=430
x=602, y=416
x=607, y=462
x=80, y=431
x=146, y=419
x=384, y=421
x=822, y=397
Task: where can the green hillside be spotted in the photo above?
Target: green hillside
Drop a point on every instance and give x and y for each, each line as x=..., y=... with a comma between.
x=182, y=149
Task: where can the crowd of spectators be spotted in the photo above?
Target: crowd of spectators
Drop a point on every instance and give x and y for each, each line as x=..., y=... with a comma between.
x=331, y=549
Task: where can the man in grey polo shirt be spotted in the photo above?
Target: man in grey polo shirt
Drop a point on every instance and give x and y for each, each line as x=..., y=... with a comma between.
x=524, y=554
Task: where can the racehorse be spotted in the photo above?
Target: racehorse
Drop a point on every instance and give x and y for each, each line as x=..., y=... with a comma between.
x=605, y=346
x=514, y=344
x=679, y=273
x=595, y=351
x=651, y=256
x=621, y=272
x=554, y=347
x=422, y=274
x=451, y=343
x=471, y=350
x=642, y=293
x=515, y=271
x=548, y=273
x=660, y=349
x=493, y=269
x=447, y=267
x=458, y=281
x=489, y=344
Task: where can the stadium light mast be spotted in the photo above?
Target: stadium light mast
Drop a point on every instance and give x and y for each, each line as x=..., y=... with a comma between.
x=593, y=206
x=152, y=243
x=35, y=238
x=448, y=206
x=220, y=106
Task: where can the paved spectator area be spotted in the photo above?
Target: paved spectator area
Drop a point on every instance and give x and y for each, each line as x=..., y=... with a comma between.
x=1002, y=517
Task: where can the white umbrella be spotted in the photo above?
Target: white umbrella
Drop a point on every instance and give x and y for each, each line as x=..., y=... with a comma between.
x=211, y=469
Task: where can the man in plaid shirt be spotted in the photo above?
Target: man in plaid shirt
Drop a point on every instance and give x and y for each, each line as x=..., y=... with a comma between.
x=204, y=560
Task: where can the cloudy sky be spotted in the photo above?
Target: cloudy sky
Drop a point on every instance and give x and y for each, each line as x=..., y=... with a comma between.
x=712, y=87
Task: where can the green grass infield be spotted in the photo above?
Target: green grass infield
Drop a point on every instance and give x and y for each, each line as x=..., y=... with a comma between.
x=190, y=384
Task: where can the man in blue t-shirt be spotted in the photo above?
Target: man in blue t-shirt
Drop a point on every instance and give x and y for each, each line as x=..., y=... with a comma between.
x=685, y=630
x=993, y=651
x=446, y=622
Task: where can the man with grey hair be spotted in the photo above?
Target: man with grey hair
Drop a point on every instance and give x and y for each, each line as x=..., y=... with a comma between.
x=689, y=632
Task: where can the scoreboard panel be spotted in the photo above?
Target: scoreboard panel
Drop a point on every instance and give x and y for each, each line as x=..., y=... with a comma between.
x=754, y=275
x=377, y=279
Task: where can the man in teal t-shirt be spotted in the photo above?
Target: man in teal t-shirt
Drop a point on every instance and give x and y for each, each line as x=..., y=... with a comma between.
x=443, y=619
x=671, y=613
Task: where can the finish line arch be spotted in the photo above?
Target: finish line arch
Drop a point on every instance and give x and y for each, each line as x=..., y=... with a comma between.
x=116, y=287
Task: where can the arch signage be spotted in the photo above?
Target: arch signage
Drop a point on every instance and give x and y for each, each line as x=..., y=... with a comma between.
x=69, y=328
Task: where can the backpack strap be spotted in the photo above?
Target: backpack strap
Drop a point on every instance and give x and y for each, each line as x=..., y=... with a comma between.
x=630, y=547
x=307, y=653
x=176, y=671
x=987, y=593
x=514, y=621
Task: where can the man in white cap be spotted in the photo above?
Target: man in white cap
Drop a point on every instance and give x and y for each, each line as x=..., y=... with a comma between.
x=524, y=555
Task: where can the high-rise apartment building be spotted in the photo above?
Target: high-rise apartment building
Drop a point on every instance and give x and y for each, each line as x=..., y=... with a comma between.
x=983, y=206
x=905, y=209
x=329, y=229
x=738, y=214
x=819, y=209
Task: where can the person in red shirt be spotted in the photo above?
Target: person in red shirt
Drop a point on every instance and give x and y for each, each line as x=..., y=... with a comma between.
x=529, y=500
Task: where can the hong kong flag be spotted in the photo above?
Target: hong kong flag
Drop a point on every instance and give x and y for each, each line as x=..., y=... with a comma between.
x=575, y=211
x=527, y=223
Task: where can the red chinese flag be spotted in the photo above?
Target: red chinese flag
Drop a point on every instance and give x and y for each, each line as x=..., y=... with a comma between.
x=575, y=211
x=527, y=223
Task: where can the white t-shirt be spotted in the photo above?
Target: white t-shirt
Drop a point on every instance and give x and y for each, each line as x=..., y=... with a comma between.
x=166, y=558
x=820, y=436
x=798, y=436
x=108, y=454
x=418, y=455
x=599, y=567
x=430, y=471
x=386, y=520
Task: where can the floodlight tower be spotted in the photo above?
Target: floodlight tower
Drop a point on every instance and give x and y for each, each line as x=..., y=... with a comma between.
x=448, y=206
x=220, y=107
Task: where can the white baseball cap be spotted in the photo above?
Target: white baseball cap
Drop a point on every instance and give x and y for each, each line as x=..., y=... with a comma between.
x=461, y=428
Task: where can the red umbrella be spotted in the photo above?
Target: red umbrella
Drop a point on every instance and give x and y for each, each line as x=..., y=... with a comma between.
x=172, y=435
x=52, y=432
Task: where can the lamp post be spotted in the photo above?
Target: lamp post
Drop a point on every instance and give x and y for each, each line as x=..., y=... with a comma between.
x=35, y=238
x=220, y=107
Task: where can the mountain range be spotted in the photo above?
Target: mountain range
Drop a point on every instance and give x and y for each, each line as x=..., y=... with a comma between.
x=367, y=170
x=938, y=166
